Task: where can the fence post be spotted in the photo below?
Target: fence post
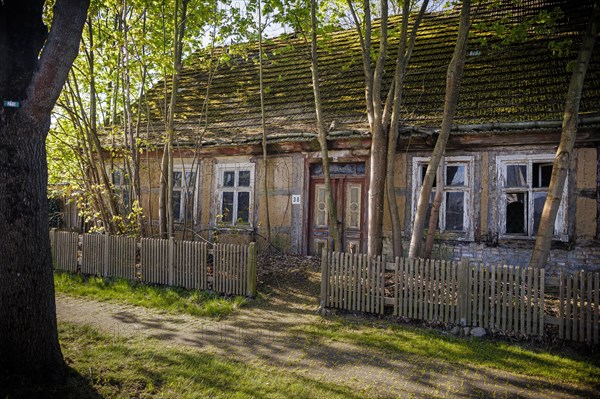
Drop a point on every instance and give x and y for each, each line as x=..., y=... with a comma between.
x=53, y=246
x=106, y=254
x=464, y=291
x=251, y=270
x=324, y=277
x=170, y=259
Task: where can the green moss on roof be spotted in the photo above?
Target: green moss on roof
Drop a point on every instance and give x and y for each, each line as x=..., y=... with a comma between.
x=518, y=82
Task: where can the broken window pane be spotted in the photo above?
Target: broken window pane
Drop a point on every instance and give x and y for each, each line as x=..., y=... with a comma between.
x=516, y=213
x=455, y=211
x=244, y=178
x=542, y=172
x=455, y=176
x=243, y=207
x=516, y=176
x=227, y=207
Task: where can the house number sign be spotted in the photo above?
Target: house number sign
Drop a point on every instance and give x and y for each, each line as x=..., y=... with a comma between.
x=295, y=200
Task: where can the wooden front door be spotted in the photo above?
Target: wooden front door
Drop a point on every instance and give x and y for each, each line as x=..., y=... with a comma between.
x=348, y=193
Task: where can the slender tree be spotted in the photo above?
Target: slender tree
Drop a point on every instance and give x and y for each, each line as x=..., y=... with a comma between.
x=331, y=207
x=564, y=153
x=28, y=330
x=262, y=121
x=404, y=53
x=453, y=79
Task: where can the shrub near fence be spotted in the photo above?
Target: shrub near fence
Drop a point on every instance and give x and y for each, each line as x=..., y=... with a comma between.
x=501, y=297
x=169, y=262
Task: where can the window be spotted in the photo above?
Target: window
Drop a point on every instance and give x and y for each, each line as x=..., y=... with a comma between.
x=184, y=194
x=122, y=190
x=523, y=182
x=456, y=209
x=235, y=185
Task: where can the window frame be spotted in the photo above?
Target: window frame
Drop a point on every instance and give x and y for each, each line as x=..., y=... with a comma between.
x=184, y=168
x=122, y=187
x=220, y=188
x=502, y=162
x=468, y=161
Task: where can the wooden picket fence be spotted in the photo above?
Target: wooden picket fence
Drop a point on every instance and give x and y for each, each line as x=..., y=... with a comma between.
x=64, y=250
x=579, y=307
x=231, y=271
x=506, y=298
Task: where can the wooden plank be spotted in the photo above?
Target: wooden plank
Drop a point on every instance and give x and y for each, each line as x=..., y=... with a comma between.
x=589, y=320
x=596, y=307
x=522, y=299
x=492, y=279
x=568, y=315
x=483, y=293
x=561, y=306
x=444, y=287
x=324, y=279
x=396, y=287
x=530, y=293
x=581, y=306
x=536, y=304
x=575, y=312
x=542, y=302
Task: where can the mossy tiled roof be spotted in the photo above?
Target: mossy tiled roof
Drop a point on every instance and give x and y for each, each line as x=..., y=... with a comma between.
x=508, y=83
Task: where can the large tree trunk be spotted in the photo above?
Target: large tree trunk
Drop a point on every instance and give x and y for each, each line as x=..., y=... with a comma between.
x=332, y=218
x=565, y=148
x=28, y=333
x=453, y=79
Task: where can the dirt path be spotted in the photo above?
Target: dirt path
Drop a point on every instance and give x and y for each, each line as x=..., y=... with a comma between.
x=267, y=334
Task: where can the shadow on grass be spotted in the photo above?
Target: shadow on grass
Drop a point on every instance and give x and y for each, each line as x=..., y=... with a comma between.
x=76, y=387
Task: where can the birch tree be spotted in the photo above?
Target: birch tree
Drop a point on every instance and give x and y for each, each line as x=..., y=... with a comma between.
x=564, y=153
x=453, y=79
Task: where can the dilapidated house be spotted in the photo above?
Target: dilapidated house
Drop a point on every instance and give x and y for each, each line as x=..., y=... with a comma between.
x=498, y=160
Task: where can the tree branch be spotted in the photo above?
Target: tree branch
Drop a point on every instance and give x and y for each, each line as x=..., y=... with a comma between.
x=58, y=55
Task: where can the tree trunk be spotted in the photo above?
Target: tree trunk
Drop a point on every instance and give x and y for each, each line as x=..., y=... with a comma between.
x=402, y=60
x=453, y=78
x=378, y=163
x=28, y=334
x=435, y=212
x=565, y=148
x=28, y=331
x=264, y=128
x=332, y=217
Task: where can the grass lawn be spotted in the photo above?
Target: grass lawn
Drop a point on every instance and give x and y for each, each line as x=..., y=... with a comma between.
x=106, y=366
x=552, y=365
x=169, y=299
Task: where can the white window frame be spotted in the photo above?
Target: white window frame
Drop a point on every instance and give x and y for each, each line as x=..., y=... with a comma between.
x=220, y=189
x=560, y=226
x=468, y=161
x=184, y=168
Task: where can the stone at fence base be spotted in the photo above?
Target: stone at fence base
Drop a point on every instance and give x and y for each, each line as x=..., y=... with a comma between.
x=478, y=332
x=466, y=331
x=455, y=331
